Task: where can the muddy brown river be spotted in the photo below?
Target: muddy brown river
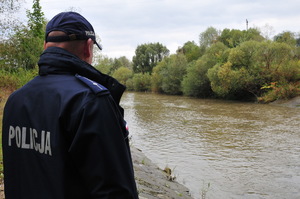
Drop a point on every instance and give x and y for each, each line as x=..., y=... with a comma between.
x=219, y=149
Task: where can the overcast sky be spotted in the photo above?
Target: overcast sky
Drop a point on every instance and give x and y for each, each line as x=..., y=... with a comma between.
x=124, y=24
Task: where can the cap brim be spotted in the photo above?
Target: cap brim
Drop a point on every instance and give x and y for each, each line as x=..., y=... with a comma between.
x=99, y=46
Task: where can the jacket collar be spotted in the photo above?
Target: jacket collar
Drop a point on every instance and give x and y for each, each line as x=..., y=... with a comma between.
x=56, y=60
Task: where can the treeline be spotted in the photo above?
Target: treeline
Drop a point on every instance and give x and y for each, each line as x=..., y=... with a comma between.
x=20, y=45
x=228, y=64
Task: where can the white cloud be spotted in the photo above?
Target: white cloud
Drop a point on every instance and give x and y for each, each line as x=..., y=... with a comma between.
x=124, y=24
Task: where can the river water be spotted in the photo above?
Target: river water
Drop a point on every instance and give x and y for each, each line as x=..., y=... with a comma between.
x=219, y=149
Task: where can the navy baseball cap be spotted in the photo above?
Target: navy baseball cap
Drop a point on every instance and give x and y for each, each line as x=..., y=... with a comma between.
x=74, y=25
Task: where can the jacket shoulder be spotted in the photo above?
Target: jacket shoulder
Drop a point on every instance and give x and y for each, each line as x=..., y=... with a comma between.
x=97, y=88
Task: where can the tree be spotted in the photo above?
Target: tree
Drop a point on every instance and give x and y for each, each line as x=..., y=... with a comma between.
x=244, y=55
x=122, y=74
x=169, y=74
x=147, y=56
x=24, y=47
x=104, y=64
x=208, y=37
x=141, y=82
x=156, y=77
x=233, y=38
x=121, y=62
x=109, y=65
x=9, y=6
x=228, y=82
x=190, y=50
x=253, y=34
x=246, y=62
x=273, y=54
x=124, y=62
x=286, y=37
x=196, y=82
x=250, y=66
x=217, y=53
x=27, y=49
x=8, y=21
x=36, y=20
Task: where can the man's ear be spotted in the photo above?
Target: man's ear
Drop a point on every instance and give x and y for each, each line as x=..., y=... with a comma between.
x=88, y=48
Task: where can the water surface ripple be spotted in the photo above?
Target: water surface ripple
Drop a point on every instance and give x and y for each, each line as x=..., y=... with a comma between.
x=223, y=149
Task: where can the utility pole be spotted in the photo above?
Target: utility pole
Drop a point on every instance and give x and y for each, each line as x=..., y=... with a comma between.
x=247, y=24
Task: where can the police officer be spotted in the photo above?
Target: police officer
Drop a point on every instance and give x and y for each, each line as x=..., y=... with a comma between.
x=64, y=136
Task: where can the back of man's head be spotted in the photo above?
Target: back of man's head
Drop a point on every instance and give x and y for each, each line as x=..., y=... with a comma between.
x=74, y=25
x=71, y=31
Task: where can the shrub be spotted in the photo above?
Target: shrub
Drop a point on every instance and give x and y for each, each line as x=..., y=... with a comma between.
x=282, y=91
x=122, y=74
x=141, y=82
x=12, y=80
x=196, y=82
x=168, y=74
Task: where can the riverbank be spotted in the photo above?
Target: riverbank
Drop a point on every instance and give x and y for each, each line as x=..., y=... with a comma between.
x=292, y=103
x=152, y=182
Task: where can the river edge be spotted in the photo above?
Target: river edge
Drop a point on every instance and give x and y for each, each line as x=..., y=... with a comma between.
x=153, y=182
x=291, y=103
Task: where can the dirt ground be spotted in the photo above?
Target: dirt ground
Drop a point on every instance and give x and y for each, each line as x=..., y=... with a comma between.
x=1, y=189
x=153, y=182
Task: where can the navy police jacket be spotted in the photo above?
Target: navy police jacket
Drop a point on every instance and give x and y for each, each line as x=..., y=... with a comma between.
x=64, y=135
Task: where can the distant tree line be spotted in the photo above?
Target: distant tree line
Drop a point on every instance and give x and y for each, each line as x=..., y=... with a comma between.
x=227, y=64
x=21, y=44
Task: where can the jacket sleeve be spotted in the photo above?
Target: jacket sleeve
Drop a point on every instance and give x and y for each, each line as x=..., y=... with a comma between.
x=101, y=152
